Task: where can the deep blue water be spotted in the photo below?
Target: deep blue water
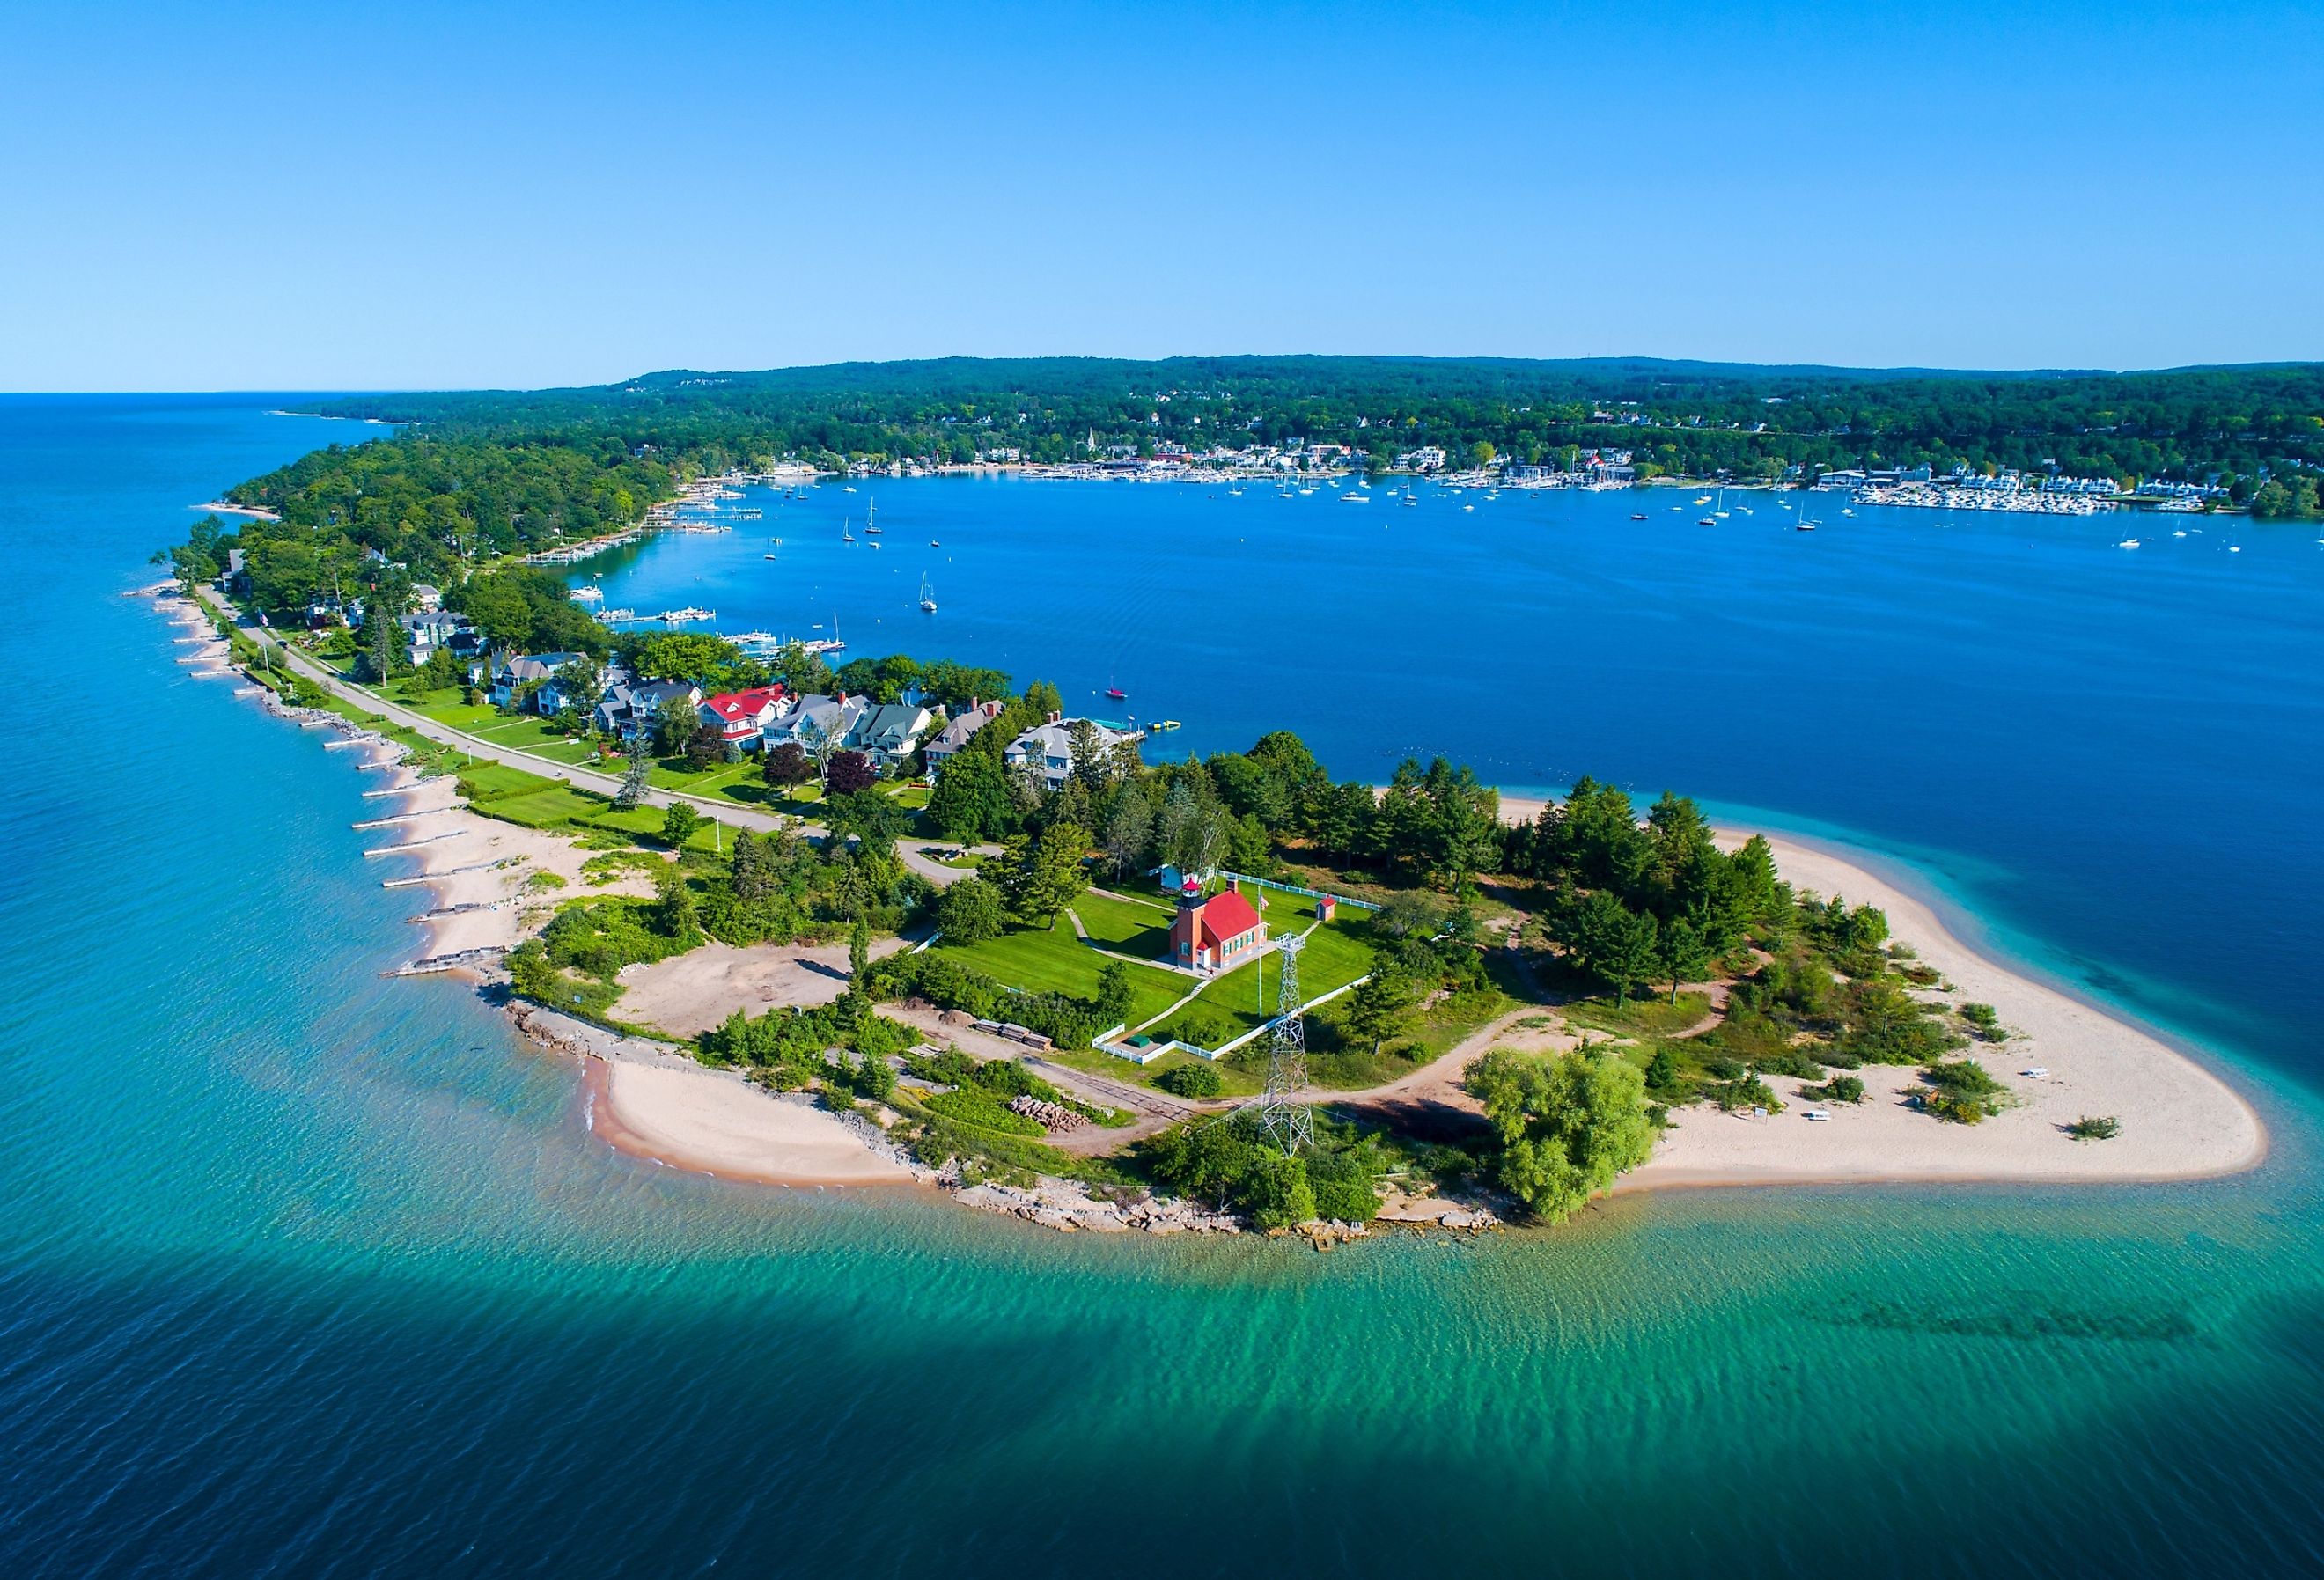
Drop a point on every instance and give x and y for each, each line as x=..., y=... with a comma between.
x=2115, y=755
x=304, y=1272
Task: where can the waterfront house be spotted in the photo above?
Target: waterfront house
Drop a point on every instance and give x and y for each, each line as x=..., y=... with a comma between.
x=741, y=716
x=946, y=744
x=553, y=697
x=1215, y=933
x=425, y=633
x=1047, y=750
x=814, y=723
x=628, y=702
x=514, y=674
x=889, y=733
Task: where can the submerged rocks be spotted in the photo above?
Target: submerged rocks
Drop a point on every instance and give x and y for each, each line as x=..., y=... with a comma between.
x=1057, y=1203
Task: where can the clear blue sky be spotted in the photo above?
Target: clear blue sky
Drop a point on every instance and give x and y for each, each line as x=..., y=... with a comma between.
x=284, y=197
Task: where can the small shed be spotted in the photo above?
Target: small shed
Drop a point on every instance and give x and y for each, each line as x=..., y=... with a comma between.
x=1325, y=907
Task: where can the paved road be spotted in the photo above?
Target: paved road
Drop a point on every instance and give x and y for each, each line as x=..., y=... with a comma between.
x=475, y=746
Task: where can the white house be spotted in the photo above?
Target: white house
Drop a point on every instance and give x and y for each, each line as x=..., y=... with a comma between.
x=515, y=673
x=889, y=733
x=815, y=724
x=742, y=717
x=1047, y=749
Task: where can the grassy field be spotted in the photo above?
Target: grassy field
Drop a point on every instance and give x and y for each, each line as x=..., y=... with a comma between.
x=1134, y=928
x=1056, y=961
x=1335, y=955
x=1645, y=1018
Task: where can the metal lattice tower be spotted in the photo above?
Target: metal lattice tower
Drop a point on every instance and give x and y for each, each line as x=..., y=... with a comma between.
x=1281, y=1118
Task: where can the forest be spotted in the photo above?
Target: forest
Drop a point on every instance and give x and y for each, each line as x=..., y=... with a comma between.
x=2242, y=425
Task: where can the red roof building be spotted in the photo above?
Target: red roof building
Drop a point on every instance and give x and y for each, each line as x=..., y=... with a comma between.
x=1217, y=933
x=740, y=715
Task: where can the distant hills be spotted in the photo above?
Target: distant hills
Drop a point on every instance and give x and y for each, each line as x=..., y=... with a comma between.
x=1683, y=417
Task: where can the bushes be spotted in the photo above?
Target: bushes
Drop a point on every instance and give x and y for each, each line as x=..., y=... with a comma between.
x=1960, y=1090
x=1200, y=1025
x=600, y=937
x=1192, y=1080
x=974, y=1105
x=971, y=911
x=1839, y=1089
x=1882, y=1024
x=2092, y=1129
x=1232, y=1165
x=1068, y=1021
x=1343, y=1184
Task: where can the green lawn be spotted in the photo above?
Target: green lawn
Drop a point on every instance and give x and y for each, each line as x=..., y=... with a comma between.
x=1128, y=927
x=1335, y=955
x=1056, y=961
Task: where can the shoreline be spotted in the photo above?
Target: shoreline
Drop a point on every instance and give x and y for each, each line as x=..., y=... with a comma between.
x=2183, y=1120
x=676, y=1112
x=679, y=1118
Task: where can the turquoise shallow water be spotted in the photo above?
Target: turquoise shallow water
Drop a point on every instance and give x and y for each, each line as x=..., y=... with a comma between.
x=306, y=1272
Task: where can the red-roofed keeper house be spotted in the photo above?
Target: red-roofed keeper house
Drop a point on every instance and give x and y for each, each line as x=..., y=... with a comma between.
x=1214, y=934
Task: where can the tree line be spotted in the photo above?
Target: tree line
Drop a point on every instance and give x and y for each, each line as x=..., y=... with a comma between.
x=1694, y=419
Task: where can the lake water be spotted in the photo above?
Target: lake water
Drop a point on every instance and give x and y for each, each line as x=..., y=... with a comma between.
x=303, y=1271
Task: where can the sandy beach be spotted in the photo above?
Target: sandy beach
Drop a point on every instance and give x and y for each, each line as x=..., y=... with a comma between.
x=716, y=1123
x=687, y=994
x=2180, y=1121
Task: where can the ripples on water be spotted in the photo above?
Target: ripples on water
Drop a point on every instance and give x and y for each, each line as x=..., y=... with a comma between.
x=303, y=1271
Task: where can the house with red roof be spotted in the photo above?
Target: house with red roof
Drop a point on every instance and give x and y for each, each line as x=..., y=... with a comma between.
x=1216, y=932
x=742, y=715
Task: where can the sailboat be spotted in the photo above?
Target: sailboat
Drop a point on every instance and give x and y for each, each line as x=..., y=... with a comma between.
x=871, y=527
x=846, y=536
x=928, y=597
x=1721, y=511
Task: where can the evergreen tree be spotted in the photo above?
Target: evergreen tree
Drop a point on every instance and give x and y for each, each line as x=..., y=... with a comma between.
x=1378, y=1006
x=676, y=901
x=1114, y=994
x=637, y=769
x=1684, y=955
x=1128, y=832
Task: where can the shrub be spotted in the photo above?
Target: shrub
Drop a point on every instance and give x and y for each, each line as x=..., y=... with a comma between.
x=1839, y=1089
x=971, y=911
x=1200, y=1025
x=974, y=1105
x=2089, y=1128
x=1343, y=1185
x=1961, y=1091
x=1192, y=1080
x=1068, y=1021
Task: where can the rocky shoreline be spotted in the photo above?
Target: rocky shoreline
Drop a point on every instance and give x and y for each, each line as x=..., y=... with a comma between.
x=1062, y=1205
